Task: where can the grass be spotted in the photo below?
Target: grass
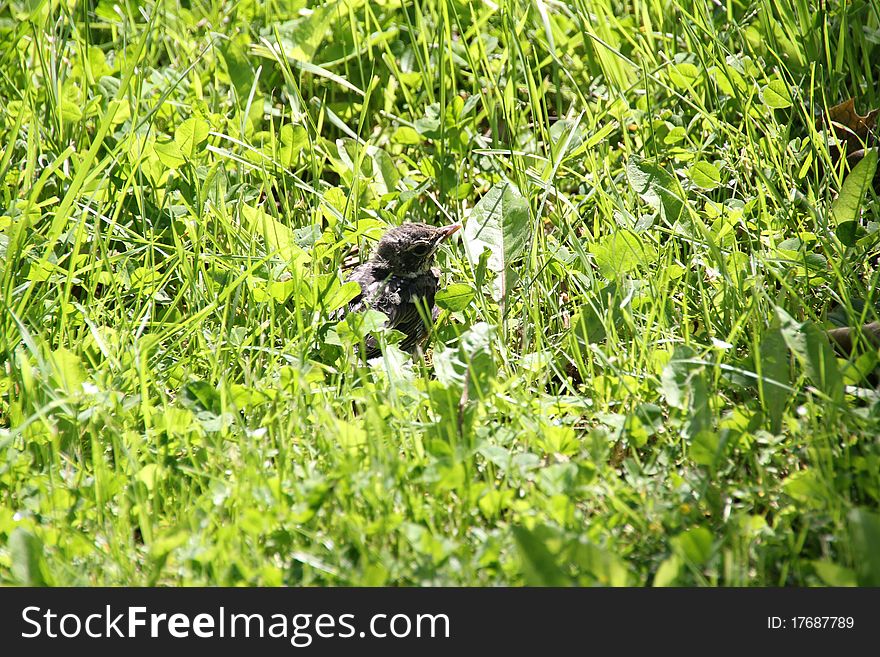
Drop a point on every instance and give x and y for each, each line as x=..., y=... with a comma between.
x=637, y=390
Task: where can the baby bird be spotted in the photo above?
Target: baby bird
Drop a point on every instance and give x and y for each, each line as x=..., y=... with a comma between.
x=400, y=281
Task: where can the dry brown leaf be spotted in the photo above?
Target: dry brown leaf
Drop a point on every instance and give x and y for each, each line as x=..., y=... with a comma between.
x=850, y=126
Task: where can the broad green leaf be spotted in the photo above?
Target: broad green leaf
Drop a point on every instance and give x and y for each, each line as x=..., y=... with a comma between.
x=169, y=153
x=729, y=78
x=429, y=124
x=301, y=37
x=810, y=345
x=683, y=75
x=604, y=566
x=588, y=326
x=635, y=431
x=406, y=135
x=704, y=441
x=704, y=448
x=280, y=240
x=384, y=170
x=349, y=435
x=500, y=223
x=833, y=574
x=26, y=555
x=774, y=377
x=455, y=297
x=684, y=385
x=375, y=164
x=281, y=291
x=776, y=95
x=293, y=140
x=694, y=544
x=668, y=572
x=190, y=135
x=494, y=501
x=67, y=370
x=538, y=563
x=676, y=135
x=675, y=375
x=395, y=364
x=354, y=327
x=149, y=475
x=565, y=134
x=849, y=232
x=647, y=179
x=238, y=67
x=40, y=271
x=308, y=235
x=167, y=542
x=848, y=203
x=201, y=395
x=472, y=363
x=176, y=421
x=352, y=153
x=864, y=527
x=622, y=252
x=342, y=295
x=70, y=111
x=656, y=187
x=807, y=487
x=705, y=175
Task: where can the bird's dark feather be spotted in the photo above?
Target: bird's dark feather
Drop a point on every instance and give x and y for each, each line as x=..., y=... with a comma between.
x=400, y=282
x=407, y=302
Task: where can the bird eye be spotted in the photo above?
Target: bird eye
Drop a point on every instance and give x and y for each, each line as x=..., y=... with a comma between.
x=421, y=249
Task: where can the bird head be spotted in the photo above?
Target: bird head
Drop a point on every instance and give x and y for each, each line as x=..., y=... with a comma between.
x=408, y=250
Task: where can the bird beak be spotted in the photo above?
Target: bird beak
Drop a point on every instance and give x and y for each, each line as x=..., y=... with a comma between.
x=446, y=231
